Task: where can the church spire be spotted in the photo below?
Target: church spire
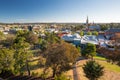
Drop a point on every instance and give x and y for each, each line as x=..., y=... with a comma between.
x=87, y=21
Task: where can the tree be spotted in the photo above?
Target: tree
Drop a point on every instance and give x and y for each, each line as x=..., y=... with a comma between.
x=93, y=70
x=21, y=33
x=6, y=60
x=95, y=33
x=59, y=57
x=31, y=38
x=22, y=55
x=51, y=38
x=43, y=45
x=89, y=33
x=90, y=50
x=8, y=42
x=79, y=49
x=2, y=36
x=104, y=27
x=110, y=55
x=81, y=33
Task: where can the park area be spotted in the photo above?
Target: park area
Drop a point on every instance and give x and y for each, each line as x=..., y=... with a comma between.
x=111, y=71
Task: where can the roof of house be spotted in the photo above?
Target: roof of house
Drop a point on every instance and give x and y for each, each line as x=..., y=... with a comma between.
x=117, y=35
x=94, y=27
x=114, y=30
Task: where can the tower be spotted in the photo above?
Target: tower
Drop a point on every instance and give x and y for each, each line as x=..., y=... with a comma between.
x=87, y=21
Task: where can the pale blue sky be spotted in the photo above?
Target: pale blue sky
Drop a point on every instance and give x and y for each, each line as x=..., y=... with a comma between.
x=59, y=10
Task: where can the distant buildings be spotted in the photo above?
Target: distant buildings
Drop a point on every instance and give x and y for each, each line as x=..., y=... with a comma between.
x=92, y=27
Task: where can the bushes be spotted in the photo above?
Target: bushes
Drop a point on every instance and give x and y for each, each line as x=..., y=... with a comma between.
x=61, y=77
x=93, y=70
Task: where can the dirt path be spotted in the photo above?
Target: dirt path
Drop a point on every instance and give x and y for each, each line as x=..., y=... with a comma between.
x=76, y=73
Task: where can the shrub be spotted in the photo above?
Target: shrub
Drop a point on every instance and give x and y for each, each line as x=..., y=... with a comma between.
x=93, y=70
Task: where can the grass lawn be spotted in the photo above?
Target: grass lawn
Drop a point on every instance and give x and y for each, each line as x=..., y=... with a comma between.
x=108, y=66
x=99, y=58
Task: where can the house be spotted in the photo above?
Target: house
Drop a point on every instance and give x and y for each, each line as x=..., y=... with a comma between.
x=71, y=37
x=109, y=34
x=94, y=28
x=89, y=39
x=117, y=39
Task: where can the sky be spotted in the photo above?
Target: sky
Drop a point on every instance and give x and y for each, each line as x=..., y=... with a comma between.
x=102, y=11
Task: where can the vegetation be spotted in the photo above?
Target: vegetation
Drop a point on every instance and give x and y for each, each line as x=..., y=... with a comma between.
x=104, y=27
x=89, y=50
x=60, y=57
x=95, y=33
x=6, y=60
x=89, y=33
x=81, y=33
x=61, y=77
x=18, y=54
x=111, y=56
x=93, y=70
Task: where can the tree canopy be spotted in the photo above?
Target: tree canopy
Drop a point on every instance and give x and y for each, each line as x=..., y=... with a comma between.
x=6, y=59
x=59, y=57
x=93, y=70
x=89, y=50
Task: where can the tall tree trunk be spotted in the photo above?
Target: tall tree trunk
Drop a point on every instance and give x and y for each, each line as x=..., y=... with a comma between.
x=28, y=68
x=54, y=73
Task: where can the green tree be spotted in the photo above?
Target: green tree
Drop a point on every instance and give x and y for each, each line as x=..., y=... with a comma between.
x=51, y=38
x=6, y=60
x=59, y=57
x=8, y=42
x=43, y=45
x=21, y=33
x=31, y=38
x=95, y=33
x=90, y=50
x=104, y=27
x=79, y=49
x=2, y=36
x=22, y=55
x=89, y=33
x=81, y=33
x=93, y=70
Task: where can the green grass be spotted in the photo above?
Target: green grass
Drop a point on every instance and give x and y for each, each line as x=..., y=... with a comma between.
x=99, y=58
x=109, y=66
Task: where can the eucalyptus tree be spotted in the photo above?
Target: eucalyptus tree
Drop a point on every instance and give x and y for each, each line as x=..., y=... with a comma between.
x=22, y=54
x=7, y=60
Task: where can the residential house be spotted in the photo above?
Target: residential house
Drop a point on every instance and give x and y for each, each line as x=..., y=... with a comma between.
x=110, y=33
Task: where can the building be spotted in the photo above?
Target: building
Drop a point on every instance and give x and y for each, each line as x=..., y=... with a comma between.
x=94, y=28
x=110, y=33
x=30, y=28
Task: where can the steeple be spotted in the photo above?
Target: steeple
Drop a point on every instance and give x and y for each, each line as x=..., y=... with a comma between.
x=87, y=21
